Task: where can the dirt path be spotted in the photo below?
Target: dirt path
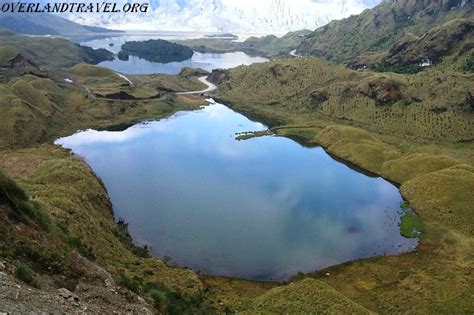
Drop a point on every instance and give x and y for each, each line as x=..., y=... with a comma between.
x=125, y=78
x=210, y=87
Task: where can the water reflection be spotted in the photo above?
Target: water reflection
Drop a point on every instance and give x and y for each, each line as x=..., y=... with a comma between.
x=137, y=65
x=264, y=208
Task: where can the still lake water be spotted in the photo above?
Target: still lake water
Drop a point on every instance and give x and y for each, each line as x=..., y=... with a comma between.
x=265, y=208
x=137, y=65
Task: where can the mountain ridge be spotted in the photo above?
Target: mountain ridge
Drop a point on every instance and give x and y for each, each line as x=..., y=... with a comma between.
x=46, y=24
x=347, y=40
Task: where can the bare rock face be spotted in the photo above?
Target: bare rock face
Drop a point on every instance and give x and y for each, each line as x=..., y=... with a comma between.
x=68, y=295
x=20, y=61
x=318, y=97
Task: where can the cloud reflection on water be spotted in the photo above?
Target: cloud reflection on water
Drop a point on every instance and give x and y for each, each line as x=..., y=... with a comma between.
x=264, y=208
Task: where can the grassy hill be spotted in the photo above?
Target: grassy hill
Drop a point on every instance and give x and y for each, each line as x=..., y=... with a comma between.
x=416, y=130
x=375, y=31
x=451, y=43
x=57, y=224
x=267, y=46
x=384, y=102
x=35, y=109
x=49, y=52
x=57, y=228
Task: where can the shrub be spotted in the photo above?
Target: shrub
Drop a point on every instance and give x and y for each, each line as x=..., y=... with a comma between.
x=24, y=273
x=133, y=284
x=16, y=197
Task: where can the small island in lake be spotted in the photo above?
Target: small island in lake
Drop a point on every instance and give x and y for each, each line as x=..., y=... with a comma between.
x=158, y=50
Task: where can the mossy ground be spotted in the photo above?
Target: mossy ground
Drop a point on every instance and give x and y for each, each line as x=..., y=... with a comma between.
x=411, y=224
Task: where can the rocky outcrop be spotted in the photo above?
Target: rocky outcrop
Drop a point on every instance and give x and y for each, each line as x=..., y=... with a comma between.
x=19, y=62
x=383, y=92
x=317, y=98
x=432, y=46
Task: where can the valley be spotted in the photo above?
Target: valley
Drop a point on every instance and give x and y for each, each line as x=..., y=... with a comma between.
x=368, y=104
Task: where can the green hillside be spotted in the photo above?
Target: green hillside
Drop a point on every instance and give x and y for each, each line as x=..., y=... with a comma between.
x=416, y=130
x=50, y=52
x=57, y=226
x=377, y=30
x=387, y=103
x=268, y=46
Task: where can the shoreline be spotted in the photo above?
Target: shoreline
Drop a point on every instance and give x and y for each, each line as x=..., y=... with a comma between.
x=347, y=163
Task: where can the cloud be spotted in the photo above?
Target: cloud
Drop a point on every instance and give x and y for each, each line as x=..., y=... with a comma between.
x=244, y=16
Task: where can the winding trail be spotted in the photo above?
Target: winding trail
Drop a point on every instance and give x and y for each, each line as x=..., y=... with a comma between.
x=125, y=78
x=210, y=87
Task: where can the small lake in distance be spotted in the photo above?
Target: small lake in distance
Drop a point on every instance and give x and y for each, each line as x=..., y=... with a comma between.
x=264, y=208
x=137, y=65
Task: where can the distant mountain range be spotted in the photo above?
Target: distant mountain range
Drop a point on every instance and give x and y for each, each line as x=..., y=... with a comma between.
x=45, y=24
x=246, y=16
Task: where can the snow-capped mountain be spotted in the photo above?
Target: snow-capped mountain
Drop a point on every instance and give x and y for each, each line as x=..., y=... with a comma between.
x=243, y=16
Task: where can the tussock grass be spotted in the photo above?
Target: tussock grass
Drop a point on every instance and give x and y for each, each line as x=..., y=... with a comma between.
x=94, y=75
x=16, y=197
x=357, y=146
x=303, y=89
x=401, y=128
x=82, y=219
x=7, y=53
x=409, y=166
x=307, y=296
x=34, y=110
x=445, y=196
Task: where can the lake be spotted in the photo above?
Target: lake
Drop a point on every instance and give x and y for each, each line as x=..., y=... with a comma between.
x=264, y=208
x=137, y=65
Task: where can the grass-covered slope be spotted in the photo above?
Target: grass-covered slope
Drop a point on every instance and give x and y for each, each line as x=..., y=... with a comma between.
x=49, y=52
x=34, y=109
x=416, y=130
x=376, y=30
x=307, y=296
x=451, y=43
x=294, y=90
x=268, y=46
x=57, y=221
x=7, y=53
x=44, y=51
